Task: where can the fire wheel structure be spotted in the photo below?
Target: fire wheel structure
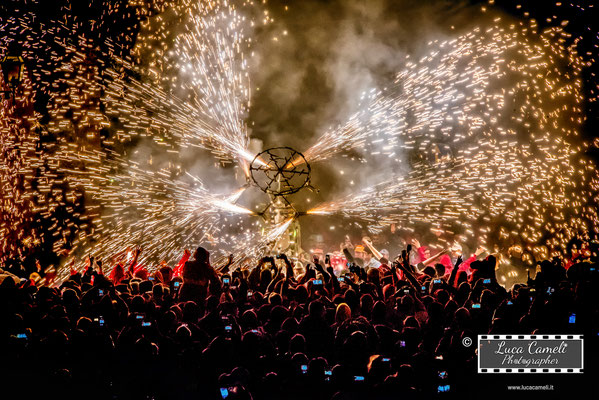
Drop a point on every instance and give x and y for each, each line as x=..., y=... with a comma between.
x=280, y=171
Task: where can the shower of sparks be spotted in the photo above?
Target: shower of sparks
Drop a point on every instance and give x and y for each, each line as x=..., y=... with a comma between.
x=194, y=86
x=490, y=118
x=147, y=208
x=490, y=121
x=254, y=244
x=186, y=85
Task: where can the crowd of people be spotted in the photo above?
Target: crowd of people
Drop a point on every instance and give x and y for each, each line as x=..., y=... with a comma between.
x=390, y=329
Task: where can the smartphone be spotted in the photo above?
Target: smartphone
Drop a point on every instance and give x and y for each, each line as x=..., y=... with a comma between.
x=317, y=282
x=250, y=292
x=327, y=375
x=572, y=318
x=150, y=278
x=386, y=359
x=341, y=279
x=304, y=369
x=509, y=303
x=176, y=284
x=487, y=281
x=436, y=281
x=146, y=324
x=21, y=336
x=358, y=378
x=402, y=343
x=443, y=388
x=228, y=329
x=226, y=280
x=442, y=374
x=550, y=290
x=423, y=289
x=327, y=259
x=139, y=316
x=224, y=393
x=406, y=291
x=101, y=292
x=476, y=305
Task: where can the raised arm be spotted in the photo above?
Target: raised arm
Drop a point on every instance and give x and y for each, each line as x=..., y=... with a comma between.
x=377, y=254
x=433, y=258
x=407, y=273
x=454, y=271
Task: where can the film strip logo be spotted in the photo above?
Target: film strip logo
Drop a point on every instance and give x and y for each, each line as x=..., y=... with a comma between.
x=515, y=354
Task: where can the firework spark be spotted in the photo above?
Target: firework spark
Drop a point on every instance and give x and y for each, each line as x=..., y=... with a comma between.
x=490, y=122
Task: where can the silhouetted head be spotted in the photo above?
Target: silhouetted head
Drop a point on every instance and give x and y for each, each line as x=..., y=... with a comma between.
x=201, y=255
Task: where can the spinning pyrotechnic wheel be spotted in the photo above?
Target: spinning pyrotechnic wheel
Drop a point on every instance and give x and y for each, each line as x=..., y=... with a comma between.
x=280, y=171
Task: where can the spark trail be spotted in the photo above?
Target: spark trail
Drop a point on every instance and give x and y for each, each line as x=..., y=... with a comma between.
x=490, y=121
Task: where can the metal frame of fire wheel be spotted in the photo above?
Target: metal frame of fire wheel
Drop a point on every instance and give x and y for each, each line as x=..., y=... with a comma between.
x=281, y=194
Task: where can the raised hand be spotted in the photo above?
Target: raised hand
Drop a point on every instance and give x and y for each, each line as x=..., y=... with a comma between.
x=480, y=250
